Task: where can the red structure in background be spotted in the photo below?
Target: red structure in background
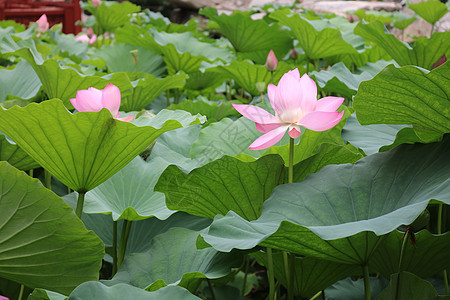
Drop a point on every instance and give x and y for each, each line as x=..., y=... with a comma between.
x=57, y=11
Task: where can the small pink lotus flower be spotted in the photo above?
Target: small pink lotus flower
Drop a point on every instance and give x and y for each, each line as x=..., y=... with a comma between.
x=43, y=24
x=271, y=61
x=84, y=38
x=3, y=298
x=295, y=103
x=93, y=99
x=96, y=3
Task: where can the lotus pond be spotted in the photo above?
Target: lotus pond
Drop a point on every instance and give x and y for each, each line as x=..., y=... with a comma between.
x=294, y=156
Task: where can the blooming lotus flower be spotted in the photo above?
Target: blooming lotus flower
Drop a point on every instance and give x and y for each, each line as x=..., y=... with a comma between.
x=93, y=99
x=84, y=38
x=295, y=103
x=271, y=61
x=96, y=3
x=43, y=25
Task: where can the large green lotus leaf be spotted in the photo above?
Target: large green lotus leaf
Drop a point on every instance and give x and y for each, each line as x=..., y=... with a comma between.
x=316, y=43
x=138, y=36
x=21, y=82
x=340, y=212
x=252, y=39
x=311, y=275
x=201, y=80
x=82, y=150
x=148, y=88
x=174, y=259
x=177, y=61
x=174, y=147
x=412, y=288
x=67, y=45
x=110, y=16
x=42, y=238
x=213, y=110
x=97, y=290
x=328, y=154
x=222, y=185
x=403, y=20
x=369, y=138
x=14, y=155
x=369, y=16
x=424, y=259
x=129, y=194
x=247, y=74
x=63, y=82
x=340, y=80
x=407, y=95
x=425, y=52
x=183, y=117
x=186, y=43
x=353, y=289
x=431, y=11
x=119, y=59
x=41, y=294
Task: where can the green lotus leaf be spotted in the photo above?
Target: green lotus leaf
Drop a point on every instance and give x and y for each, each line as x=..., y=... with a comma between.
x=42, y=238
x=412, y=288
x=252, y=39
x=351, y=289
x=14, y=155
x=111, y=15
x=174, y=259
x=21, y=82
x=82, y=150
x=148, y=88
x=314, y=41
x=213, y=110
x=425, y=51
x=311, y=275
x=431, y=11
x=129, y=194
x=344, y=219
x=174, y=147
x=137, y=36
x=369, y=16
x=410, y=96
x=183, y=117
x=97, y=290
x=247, y=74
x=370, y=138
x=209, y=78
x=41, y=294
x=222, y=185
x=119, y=59
x=424, y=259
x=340, y=80
x=403, y=20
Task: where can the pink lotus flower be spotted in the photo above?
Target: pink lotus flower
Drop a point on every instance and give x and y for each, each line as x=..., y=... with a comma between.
x=3, y=298
x=96, y=3
x=271, y=61
x=43, y=25
x=84, y=38
x=93, y=99
x=295, y=103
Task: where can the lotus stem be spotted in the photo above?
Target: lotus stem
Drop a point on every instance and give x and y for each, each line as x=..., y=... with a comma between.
x=48, y=179
x=80, y=203
x=262, y=98
x=244, y=282
x=291, y=161
x=31, y=172
x=366, y=282
x=167, y=98
x=270, y=274
x=288, y=274
x=439, y=231
x=114, y=268
x=126, y=228
x=21, y=292
x=316, y=295
x=400, y=261
x=213, y=295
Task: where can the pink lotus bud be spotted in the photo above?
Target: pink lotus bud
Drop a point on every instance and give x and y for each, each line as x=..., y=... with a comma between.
x=271, y=62
x=93, y=99
x=84, y=38
x=293, y=54
x=43, y=25
x=90, y=32
x=96, y=3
